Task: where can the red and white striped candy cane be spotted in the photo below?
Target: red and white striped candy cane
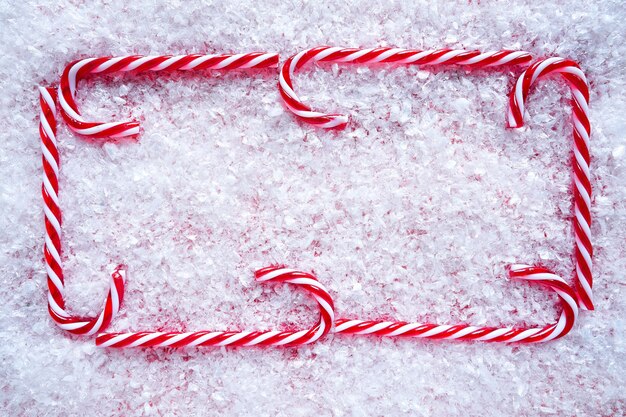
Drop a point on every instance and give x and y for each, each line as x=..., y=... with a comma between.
x=53, y=221
x=137, y=64
x=468, y=59
x=582, y=177
x=548, y=332
x=304, y=280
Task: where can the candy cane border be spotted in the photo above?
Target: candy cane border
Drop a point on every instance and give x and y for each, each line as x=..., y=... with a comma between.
x=473, y=59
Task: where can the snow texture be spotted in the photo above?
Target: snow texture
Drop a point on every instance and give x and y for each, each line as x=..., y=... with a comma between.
x=411, y=213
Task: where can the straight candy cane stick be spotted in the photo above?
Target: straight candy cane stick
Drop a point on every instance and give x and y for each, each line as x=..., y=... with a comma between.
x=545, y=333
x=304, y=280
x=52, y=245
x=582, y=174
x=137, y=64
x=468, y=59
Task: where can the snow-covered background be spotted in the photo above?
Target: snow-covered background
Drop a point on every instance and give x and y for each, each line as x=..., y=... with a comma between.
x=411, y=213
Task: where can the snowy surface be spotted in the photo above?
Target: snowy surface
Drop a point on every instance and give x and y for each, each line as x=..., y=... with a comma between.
x=412, y=212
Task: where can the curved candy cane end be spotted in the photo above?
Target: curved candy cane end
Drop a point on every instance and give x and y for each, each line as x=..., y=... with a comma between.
x=548, y=279
x=119, y=273
x=260, y=273
x=132, y=129
x=511, y=123
x=107, y=130
x=52, y=91
x=517, y=270
x=533, y=273
x=342, y=121
x=514, y=118
x=118, y=284
x=333, y=122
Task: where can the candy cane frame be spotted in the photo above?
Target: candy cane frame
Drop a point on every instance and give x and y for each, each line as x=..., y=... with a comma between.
x=52, y=245
x=468, y=59
x=582, y=175
x=137, y=64
x=303, y=280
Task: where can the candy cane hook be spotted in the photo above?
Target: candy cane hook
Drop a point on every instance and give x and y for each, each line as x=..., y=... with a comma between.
x=137, y=64
x=546, y=333
x=52, y=245
x=304, y=280
x=468, y=59
x=582, y=175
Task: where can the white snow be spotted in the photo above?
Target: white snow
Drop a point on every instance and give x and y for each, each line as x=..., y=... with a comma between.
x=411, y=213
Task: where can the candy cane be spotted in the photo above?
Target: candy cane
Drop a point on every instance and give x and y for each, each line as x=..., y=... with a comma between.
x=548, y=332
x=468, y=59
x=137, y=64
x=582, y=131
x=303, y=280
x=52, y=245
